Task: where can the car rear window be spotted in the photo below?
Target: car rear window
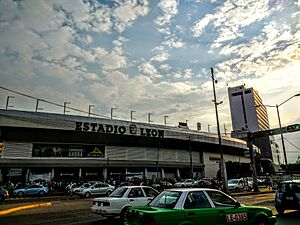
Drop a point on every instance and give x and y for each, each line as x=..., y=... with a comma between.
x=166, y=199
x=119, y=192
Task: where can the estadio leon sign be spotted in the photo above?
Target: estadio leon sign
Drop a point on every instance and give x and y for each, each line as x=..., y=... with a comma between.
x=116, y=129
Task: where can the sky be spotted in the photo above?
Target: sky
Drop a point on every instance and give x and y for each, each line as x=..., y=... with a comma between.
x=152, y=57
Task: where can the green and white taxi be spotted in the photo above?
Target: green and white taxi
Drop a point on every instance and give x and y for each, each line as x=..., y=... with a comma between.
x=195, y=206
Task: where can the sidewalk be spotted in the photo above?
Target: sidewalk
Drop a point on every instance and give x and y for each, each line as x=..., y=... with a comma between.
x=262, y=190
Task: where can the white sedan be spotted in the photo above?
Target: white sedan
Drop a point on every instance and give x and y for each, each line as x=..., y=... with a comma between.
x=121, y=198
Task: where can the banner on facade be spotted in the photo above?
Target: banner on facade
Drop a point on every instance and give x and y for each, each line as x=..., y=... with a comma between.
x=65, y=150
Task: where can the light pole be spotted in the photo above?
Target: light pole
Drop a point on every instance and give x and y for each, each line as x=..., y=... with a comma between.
x=111, y=112
x=149, y=118
x=279, y=122
x=65, y=107
x=7, y=102
x=90, y=109
x=165, y=119
x=222, y=162
x=37, y=105
x=131, y=115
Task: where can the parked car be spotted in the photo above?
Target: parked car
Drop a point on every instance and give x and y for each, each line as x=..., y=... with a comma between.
x=122, y=198
x=3, y=194
x=161, y=185
x=239, y=184
x=203, y=184
x=34, y=189
x=197, y=206
x=287, y=196
x=77, y=188
x=184, y=183
x=126, y=184
x=98, y=188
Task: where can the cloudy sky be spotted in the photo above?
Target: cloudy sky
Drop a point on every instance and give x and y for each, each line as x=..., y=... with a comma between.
x=152, y=56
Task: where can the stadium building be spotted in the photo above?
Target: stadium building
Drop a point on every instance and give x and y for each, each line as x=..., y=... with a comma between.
x=70, y=147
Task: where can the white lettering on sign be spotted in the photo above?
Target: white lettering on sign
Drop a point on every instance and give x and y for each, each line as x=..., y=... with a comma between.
x=236, y=217
x=115, y=129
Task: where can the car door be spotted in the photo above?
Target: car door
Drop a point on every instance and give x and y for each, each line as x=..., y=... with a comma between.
x=137, y=197
x=227, y=210
x=32, y=189
x=95, y=189
x=198, y=210
x=99, y=189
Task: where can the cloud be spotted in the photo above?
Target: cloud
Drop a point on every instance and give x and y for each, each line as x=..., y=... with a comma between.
x=161, y=57
x=200, y=25
x=169, y=9
x=173, y=43
x=127, y=12
x=149, y=70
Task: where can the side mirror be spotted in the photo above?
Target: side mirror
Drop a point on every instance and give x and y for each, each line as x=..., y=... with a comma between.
x=237, y=205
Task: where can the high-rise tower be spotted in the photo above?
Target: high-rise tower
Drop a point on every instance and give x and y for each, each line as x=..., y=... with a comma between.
x=249, y=114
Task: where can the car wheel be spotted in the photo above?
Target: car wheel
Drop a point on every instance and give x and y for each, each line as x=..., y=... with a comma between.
x=41, y=193
x=20, y=193
x=280, y=210
x=261, y=221
x=87, y=195
x=108, y=193
x=123, y=215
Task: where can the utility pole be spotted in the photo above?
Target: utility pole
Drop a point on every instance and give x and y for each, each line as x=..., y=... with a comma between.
x=253, y=163
x=222, y=162
x=191, y=159
x=157, y=159
x=282, y=140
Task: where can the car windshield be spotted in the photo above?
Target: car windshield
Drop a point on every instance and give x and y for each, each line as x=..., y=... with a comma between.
x=233, y=181
x=119, y=192
x=86, y=185
x=166, y=199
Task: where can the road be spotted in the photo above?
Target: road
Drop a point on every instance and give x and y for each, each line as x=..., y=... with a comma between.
x=77, y=212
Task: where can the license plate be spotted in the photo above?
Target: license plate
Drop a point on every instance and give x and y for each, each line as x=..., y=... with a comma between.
x=236, y=217
x=289, y=198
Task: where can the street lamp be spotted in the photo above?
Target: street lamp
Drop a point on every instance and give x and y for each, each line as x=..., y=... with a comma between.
x=111, y=112
x=279, y=121
x=222, y=162
x=90, y=109
x=131, y=115
x=65, y=107
x=165, y=119
x=149, y=118
x=7, y=102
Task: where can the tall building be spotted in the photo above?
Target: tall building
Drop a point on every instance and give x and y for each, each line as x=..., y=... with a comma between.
x=247, y=110
x=249, y=114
